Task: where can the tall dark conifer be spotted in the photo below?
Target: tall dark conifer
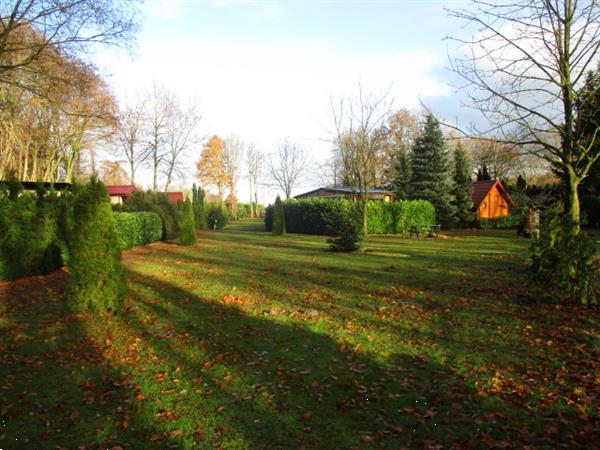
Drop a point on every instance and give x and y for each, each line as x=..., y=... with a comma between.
x=430, y=171
x=402, y=175
x=463, y=187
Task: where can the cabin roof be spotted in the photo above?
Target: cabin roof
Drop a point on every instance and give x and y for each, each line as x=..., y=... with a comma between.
x=344, y=190
x=124, y=190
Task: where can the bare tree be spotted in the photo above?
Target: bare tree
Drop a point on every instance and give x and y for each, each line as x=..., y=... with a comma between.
x=524, y=69
x=128, y=136
x=255, y=160
x=287, y=165
x=31, y=28
x=360, y=137
x=181, y=133
x=159, y=108
x=234, y=153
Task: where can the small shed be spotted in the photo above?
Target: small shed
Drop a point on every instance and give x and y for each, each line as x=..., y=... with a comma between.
x=490, y=199
x=118, y=194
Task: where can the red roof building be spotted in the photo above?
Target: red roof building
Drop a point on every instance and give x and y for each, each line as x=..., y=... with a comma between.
x=118, y=194
x=175, y=197
x=490, y=199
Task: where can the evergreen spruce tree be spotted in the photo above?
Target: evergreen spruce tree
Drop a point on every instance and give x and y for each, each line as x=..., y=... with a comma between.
x=278, y=218
x=188, y=224
x=430, y=171
x=97, y=280
x=463, y=202
x=402, y=175
x=199, y=207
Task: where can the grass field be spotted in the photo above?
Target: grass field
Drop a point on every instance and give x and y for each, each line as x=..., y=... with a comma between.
x=247, y=340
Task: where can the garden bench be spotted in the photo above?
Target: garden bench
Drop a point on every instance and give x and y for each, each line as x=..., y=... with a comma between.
x=431, y=230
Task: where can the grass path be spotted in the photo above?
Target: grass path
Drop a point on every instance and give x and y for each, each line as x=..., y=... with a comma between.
x=246, y=340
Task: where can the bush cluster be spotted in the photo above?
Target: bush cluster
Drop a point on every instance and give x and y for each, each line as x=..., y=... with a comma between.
x=309, y=216
x=31, y=239
x=564, y=263
x=137, y=228
x=157, y=202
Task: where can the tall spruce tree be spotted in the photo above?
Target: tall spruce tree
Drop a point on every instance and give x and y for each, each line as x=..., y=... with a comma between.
x=430, y=171
x=199, y=207
x=402, y=175
x=463, y=187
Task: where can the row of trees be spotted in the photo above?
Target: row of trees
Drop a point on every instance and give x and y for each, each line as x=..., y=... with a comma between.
x=53, y=105
x=222, y=160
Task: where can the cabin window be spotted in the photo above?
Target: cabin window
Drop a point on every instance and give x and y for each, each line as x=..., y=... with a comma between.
x=484, y=205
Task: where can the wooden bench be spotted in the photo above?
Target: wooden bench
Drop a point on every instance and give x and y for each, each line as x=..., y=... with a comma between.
x=430, y=230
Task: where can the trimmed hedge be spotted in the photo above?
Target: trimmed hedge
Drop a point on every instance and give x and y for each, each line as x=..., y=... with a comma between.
x=308, y=216
x=31, y=239
x=137, y=228
x=159, y=203
x=500, y=223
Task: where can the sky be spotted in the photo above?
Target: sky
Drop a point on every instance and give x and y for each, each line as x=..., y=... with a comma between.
x=266, y=70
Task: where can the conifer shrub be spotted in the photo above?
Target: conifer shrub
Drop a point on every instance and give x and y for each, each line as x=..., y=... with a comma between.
x=343, y=220
x=30, y=243
x=216, y=216
x=97, y=279
x=278, y=218
x=137, y=228
x=199, y=206
x=188, y=224
x=563, y=263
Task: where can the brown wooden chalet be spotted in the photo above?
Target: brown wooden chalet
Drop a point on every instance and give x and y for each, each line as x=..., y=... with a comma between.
x=490, y=199
x=348, y=193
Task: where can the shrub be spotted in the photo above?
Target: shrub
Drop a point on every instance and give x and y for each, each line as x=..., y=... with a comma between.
x=500, y=223
x=137, y=228
x=344, y=223
x=159, y=203
x=188, y=224
x=564, y=263
x=278, y=218
x=97, y=280
x=216, y=216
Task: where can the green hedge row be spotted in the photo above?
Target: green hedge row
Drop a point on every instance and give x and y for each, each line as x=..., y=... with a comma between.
x=309, y=216
x=500, y=223
x=32, y=234
x=137, y=228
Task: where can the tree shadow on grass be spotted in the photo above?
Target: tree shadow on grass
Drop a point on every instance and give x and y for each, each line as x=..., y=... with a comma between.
x=57, y=390
x=253, y=382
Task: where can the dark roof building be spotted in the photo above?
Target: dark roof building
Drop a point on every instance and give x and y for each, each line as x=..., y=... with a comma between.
x=347, y=192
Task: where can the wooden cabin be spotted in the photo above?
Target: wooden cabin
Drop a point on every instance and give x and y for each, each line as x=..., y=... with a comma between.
x=347, y=193
x=490, y=199
x=118, y=194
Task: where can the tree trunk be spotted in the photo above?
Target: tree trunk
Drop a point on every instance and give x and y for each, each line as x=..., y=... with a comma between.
x=573, y=209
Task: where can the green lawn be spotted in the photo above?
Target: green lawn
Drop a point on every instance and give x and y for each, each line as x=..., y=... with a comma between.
x=247, y=340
